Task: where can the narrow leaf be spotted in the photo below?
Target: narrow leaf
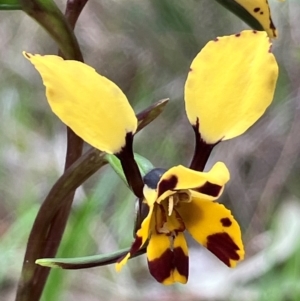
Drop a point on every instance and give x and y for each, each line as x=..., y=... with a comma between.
x=86, y=262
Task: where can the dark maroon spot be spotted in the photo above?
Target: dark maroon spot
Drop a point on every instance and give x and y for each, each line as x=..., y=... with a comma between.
x=238, y=35
x=254, y=31
x=256, y=9
x=222, y=245
x=181, y=262
x=216, y=39
x=226, y=222
x=209, y=189
x=136, y=245
x=191, y=69
x=167, y=184
x=162, y=267
x=261, y=13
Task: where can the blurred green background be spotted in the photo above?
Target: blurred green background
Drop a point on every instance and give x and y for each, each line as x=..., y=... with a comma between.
x=146, y=47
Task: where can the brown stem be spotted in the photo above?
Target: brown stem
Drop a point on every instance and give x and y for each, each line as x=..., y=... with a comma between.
x=45, y=236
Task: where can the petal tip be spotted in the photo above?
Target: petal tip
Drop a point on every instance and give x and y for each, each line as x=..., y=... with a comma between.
x=27, y=55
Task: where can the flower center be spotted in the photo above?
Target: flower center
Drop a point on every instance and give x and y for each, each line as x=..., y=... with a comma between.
x=167, y=219
x=173, y=200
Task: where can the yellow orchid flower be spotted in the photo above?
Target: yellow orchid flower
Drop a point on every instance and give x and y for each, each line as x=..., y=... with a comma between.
x=230, y=85
x=181, y=199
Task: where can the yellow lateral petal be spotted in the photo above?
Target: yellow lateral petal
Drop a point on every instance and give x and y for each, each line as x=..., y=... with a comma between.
x=90, y=104
x=160, y=257
x=120, y=264
x=260, y=10
x=213, y=226
x=150, y=195
x=230, y=85
x=157, y=246
x=141, y=237
x=181, y=259
x=180, y=177
x=168, y=258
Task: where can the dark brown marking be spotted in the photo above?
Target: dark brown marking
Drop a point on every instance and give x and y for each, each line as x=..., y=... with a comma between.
x=191, y=69
x=256, y=9
x=136, y=245
x=238, y=35
x=226, y=222
x=254, y=31
x=209, y=189
x=167, y=184
x=130, y=167
x=181, y=262
x=216, y=40
x=202, y=149
x=261, y=13
x=272, y=26
x=162, y=267
x=222, y=245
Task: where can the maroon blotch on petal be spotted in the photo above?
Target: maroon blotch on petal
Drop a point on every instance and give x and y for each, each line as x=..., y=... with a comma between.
x=136, y=245
x=222, y=245
x=162, y=267
x=167, y=184
x=226, y=222
x=181, y=262
x=209, y=189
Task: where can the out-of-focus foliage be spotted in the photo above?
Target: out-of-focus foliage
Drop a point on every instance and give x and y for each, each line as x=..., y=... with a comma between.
x=10, y=5
x=146, y=47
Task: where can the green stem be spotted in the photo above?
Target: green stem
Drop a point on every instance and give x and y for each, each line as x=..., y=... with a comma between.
x=48, y=15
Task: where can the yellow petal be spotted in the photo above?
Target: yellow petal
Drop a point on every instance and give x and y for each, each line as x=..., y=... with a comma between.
x=168, y=258
x=141, y=237
x=213, y=226
x=90, y=104
x=205, y=184
x=181, y=258
x=150, y=195
x=230, y=85
x=260, y=10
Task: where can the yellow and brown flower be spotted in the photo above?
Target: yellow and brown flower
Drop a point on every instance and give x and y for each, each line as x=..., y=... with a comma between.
x=183, y=199
x=230, y=85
